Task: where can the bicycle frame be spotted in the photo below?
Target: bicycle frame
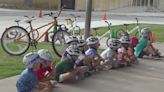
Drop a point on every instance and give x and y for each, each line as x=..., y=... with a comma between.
x=106, y=33
x=53, y=24
x=134, y=29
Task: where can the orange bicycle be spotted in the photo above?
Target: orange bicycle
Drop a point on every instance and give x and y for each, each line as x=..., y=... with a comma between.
x=16, y=40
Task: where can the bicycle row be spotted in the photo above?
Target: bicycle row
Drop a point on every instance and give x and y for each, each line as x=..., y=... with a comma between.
x=16, y=40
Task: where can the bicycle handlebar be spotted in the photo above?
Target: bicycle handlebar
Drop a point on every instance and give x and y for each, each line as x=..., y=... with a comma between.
x=51, y=14
x=74, y=16
x=137, y=20
x=109, y=24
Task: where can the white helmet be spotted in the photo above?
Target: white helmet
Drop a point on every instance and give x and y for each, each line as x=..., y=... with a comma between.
x=81, y=43
x=145, y=32
x=73, y=51
x=45, y=55
x=30, y=59
x=71, y=39
x=92, y=40
x=125, y=39
x=113, y=43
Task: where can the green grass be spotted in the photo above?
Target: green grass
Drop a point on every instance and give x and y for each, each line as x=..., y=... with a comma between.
x=158, y=29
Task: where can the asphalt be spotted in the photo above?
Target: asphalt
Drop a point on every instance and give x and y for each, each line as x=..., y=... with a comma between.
x=148, y=76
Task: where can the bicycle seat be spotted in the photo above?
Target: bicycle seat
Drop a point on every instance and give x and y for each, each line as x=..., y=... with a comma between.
x=29, y=20
x=126, y=24
x=17, y=21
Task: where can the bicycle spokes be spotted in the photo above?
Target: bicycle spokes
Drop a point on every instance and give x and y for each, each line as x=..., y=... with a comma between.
x=15, y=40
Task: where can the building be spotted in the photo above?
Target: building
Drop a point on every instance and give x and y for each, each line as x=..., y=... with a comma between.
x=98, y=5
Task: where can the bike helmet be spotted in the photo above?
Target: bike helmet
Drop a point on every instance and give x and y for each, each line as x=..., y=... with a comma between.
x=113, y=43
x=124, y=34
x=71, y=39
x=45, y=55
x=81, y=43
x=30, y=59
x=125, y=39
x=72, y=51
x=92, y=40
x=145, y=32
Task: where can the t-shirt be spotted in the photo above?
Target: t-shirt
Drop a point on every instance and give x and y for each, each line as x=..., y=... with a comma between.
x=41, y=72
x=140, y=46
x=108, y=53
x=121, y=51
x=64, y=66
x=26, y=81
x=91, y=52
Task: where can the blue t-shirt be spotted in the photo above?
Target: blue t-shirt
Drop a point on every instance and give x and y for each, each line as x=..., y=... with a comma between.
x=91, y=52
x=140, y=46
x=26, y=81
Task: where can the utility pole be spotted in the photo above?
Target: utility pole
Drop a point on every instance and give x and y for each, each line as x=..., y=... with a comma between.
x=88, y=18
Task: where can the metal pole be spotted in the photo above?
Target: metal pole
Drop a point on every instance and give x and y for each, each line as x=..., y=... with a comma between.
x=148, y=3
x=88, y=18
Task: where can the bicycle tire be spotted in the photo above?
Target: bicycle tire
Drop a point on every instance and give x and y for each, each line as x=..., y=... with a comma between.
x=59, y=46
x=119, y=32
x=12, y=42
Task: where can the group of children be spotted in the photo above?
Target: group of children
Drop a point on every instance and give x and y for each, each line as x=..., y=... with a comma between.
x=80, y=60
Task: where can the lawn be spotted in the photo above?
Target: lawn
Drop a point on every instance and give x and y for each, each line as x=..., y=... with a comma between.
x=12, y=65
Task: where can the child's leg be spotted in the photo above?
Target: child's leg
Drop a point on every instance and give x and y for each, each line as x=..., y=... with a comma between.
x=69, y=77
x=81, y=71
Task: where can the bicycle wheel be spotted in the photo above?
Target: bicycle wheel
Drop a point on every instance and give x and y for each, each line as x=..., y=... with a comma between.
x=15, y=40
x=58, y=42
x=119, y=32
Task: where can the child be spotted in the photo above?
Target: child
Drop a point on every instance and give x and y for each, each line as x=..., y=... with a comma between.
x=144, y=47
x=65, y=69
x=71, y=40
x=82, y=59
x=46, y=72
x=93, y=44
x=27, y=81
x=110, y=54
x=122, y=51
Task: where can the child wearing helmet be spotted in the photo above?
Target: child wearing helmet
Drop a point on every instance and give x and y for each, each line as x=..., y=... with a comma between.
x=71, y=40
x=93, y=46
x=110, y=54
x=66, y=70
x=145, y=47
x=122, y=51
x=46, y=72
x=27, y=81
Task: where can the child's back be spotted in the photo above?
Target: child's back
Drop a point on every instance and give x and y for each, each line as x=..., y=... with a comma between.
x=26, y=81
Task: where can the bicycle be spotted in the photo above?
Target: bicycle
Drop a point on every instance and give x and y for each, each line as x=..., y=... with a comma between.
x=16, y=40
x=109, y=34
x=73, y=28
x=136, y=29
